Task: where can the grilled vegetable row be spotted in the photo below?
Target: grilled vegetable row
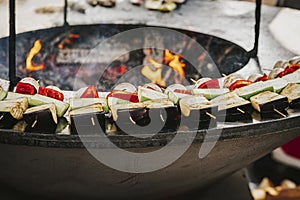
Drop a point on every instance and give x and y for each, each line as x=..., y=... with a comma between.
x=231, y=98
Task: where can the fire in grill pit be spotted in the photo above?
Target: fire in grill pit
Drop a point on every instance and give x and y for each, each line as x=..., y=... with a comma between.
x=154, y=73
x=67, y=54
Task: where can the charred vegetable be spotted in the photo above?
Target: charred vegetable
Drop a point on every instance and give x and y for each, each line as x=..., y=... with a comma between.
x=39, y=117
x=61, y=107
x=165, y=112
x=292, y=92
x=200, y=112
x=135, y=113
x=269, y=102
x=76, y=103
x=160, y=113
x=233, y=107
x=62, y=123
x=12, y=110
x=87, y=120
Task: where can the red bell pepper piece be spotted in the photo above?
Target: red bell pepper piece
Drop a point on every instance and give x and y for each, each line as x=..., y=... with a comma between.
x=25, y=88
x=214, y=83
x=286, y=72
x=290, y=69
x=132, y=97
x=183, y=91
x=239, y=84
x=90, y=92
x=51, y=93
x=294, y=66
x=265, y=77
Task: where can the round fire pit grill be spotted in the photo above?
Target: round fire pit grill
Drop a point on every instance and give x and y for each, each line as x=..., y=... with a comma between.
x=60, y=166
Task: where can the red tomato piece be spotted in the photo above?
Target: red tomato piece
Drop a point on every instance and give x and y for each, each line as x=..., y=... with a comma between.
x=51, y=93
x=214, y=83
x=132, y=97
x=25, y=88
x=265, y=77
x=239, y=84
x=90, y=92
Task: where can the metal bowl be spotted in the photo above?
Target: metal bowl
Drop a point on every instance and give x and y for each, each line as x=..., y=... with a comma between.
x=59, y=166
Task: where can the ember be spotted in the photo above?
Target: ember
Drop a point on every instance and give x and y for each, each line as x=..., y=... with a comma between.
x=33, y=52
x=68, y=40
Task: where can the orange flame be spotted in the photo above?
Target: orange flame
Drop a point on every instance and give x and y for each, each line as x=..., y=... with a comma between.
x=34, y=51
x=174, y=62
x=155, y=75
x=168, y=56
